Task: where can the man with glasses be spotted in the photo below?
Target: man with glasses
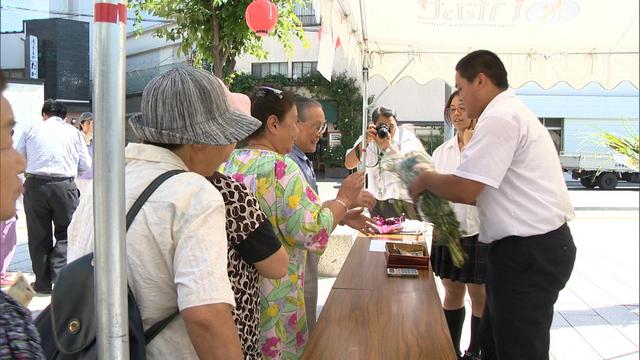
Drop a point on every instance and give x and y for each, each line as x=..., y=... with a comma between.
x=384, y=136
x=311, y=126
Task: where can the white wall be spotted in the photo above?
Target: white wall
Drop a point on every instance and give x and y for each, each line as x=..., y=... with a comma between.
x=580, y=135
x=147, y=51
x=411, y=101
x=26, y=101
x=11, y=19
x=276, y=53
x=12, y=51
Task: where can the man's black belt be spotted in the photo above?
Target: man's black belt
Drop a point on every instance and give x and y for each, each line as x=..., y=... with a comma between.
x=48, y=178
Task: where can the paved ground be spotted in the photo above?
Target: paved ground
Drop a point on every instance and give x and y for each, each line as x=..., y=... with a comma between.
x=596, y=316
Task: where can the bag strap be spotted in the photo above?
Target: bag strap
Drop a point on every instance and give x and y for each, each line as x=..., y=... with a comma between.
x=156, y=328
x=137, y=205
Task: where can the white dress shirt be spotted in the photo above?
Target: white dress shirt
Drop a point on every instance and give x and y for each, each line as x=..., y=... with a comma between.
x=176, y=246
x=446, y=158
x=383, y=184
x=54, y=148
x=512, y=153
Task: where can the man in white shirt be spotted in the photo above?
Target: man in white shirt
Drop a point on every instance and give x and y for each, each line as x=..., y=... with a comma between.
x=56, y=153
x=512, y=172
x=384, y=136
x=177, y=245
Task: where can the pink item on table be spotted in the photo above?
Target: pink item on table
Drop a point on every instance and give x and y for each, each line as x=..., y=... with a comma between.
x=390, y=225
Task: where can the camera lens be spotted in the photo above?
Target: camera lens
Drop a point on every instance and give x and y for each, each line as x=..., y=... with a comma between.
x=383, y=131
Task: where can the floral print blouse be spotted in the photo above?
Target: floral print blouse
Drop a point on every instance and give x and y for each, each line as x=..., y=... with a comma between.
x=302, y=225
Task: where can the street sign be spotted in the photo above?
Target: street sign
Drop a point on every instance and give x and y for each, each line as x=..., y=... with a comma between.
x=33, y=56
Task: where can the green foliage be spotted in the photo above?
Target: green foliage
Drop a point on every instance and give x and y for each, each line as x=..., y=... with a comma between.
x=628, y=146
x=342, y=89
x=214, y=32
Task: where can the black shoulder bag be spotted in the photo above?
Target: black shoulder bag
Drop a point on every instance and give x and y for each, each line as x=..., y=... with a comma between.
x=68, y=325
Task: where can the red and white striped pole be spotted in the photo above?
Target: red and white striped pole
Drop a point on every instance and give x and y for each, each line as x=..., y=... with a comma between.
x=110, y=17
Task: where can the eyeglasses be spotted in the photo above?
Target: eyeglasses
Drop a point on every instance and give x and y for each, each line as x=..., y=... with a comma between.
x=320, y=129
x=458, y=109
x=264, y=90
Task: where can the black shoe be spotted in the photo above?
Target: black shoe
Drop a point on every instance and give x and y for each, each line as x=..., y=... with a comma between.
x=45, y=291
x=468, y=355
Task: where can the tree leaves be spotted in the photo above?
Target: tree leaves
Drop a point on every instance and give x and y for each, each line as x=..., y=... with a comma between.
x=215, y=32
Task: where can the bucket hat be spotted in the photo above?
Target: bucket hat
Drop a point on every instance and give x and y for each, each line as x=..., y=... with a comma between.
x=186, y=105
x=86, y=116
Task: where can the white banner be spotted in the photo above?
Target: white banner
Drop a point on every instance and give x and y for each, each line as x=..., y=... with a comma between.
x=326, y=53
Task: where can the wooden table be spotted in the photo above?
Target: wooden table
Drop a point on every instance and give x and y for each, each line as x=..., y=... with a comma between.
x=369, y=315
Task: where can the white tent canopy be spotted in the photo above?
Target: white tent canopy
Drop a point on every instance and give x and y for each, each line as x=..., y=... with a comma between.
x=545, y=41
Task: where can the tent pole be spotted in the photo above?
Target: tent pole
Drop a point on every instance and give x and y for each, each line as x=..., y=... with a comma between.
x=108, y=185
x=411, y=58
x=365, y=84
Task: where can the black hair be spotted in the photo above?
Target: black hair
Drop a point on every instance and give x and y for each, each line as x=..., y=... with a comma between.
x=486, y=62
x=267, y=100
x=54, y=108
x=303, y=104
x=170, y=147
x=382, y=111
x=447, y=114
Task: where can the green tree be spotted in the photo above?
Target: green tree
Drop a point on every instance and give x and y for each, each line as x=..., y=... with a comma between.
x=214, y=32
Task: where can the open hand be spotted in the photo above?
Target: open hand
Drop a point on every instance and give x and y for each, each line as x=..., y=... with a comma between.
x=351, y=188
x=365, y=199
x=356, y=220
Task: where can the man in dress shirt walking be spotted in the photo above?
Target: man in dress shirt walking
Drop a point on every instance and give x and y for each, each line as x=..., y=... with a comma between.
x=56, y=153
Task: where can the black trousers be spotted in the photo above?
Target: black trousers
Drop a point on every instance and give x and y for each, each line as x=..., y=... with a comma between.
x=47, y=201
x=524, y=277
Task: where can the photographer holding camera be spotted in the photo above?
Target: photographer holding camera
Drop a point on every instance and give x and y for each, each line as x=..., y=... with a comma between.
x=384, y=136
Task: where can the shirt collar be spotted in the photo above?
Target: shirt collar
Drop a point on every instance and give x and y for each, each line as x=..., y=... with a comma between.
x=500, y=97
x=451, y=142
x=153, y=153
x=56, y=118
x=299, y=153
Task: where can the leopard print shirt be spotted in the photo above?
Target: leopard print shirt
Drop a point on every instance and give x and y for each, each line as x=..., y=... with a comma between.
x=243, y=217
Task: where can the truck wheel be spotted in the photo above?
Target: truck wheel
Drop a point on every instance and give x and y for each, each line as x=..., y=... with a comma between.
x=607, y=181
x=588, y=182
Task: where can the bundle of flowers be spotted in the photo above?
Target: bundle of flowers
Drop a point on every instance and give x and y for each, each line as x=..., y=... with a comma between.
x=431, y=208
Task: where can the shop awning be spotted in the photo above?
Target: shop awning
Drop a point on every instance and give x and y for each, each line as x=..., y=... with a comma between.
x=544, y=41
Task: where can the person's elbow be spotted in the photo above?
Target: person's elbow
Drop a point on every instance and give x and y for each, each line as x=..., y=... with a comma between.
x=275, y=266
x=350, y=161
x=470, y=191
x=467, y=199
x=84, y=166
x=212, y=331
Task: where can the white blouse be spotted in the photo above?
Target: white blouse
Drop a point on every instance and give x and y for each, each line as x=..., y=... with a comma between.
x=447, y=157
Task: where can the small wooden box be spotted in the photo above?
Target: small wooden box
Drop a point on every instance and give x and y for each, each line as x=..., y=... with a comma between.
x=407, y=261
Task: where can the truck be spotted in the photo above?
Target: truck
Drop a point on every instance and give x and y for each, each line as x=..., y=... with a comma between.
x=599, y=169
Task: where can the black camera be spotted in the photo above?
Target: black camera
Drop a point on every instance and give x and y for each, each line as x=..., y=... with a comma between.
x=383, y=131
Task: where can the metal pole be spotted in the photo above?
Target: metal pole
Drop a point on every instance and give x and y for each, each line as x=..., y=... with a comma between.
x=411, y=58
x=365, y=84
x=108, y=185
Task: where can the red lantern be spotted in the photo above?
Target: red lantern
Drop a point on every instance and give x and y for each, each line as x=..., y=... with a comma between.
x=261, y=16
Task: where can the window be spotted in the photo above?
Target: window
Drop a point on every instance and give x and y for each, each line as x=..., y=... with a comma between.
x=554, y=126
x=306, y=13
x=260, y=70
x=431, y=134
x=303, y=68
